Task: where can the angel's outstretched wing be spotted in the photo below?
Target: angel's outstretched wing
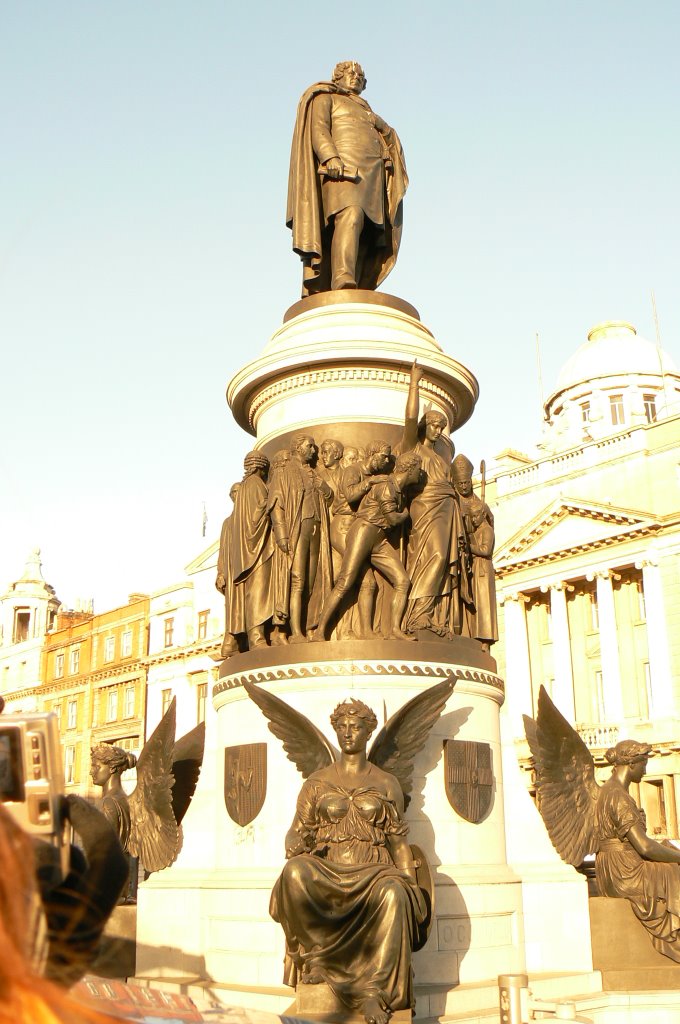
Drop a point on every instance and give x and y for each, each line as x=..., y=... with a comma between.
x=187, y=758
x=305, y=745
x=154, y=834
x=566, y=790
x=403, y=736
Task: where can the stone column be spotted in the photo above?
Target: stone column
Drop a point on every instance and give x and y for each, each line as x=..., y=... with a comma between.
x=563, y=694
x=609, y=647
x=657, y=640
x=518, y=694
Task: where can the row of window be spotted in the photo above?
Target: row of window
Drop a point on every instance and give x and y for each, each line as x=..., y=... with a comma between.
x=111, y=707
x=125, y=645
x=169, y=628
x=109, y=654
x=617, y=412
x=201, y=701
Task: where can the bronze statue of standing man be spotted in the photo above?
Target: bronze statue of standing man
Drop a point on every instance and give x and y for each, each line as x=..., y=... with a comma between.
x=346, y=186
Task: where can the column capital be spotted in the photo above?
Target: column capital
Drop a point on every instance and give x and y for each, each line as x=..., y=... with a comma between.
x=513, y=595
x=603, y=574
x=647, y=563
x=559, y=585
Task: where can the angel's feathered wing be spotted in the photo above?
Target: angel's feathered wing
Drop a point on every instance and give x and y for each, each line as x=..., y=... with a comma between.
x=566, y=790
x=154, y=833
x=305, y=745
x=187, y=758
x=403, y=736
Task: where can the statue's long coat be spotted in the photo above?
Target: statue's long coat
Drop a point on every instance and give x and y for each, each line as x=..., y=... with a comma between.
x=305, y=215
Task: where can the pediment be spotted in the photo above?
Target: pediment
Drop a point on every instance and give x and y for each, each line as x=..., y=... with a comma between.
x=206, y=560
x=569, y=525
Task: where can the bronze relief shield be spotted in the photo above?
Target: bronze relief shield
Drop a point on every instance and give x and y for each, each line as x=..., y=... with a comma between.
x=245, y=781
x=468, y=778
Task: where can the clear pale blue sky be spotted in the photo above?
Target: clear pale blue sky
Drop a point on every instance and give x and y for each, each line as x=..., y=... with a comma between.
x=143, y=255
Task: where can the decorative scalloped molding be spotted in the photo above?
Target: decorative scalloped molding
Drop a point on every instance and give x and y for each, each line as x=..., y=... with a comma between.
x=503, y=570
x=312, y=378
x=367, y=668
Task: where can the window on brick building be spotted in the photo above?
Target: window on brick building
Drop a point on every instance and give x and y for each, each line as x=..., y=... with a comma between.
x=109, y=648
x=74, y=661
x=169, y=631
x=166, y=700
x=69, y=765
x=72, y=714
x=126, y=644
x=59, y=665
x=129, y=707
x=203, y=624
x=112, y=705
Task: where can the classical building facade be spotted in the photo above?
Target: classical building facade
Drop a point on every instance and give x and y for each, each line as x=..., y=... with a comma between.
x=94, y=679
x=588, y=559
x=186, y=627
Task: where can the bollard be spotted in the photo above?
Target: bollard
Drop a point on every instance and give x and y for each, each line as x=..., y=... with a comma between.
x=510, y=989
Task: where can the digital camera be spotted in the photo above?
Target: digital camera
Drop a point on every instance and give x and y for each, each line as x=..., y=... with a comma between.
x=32, y=779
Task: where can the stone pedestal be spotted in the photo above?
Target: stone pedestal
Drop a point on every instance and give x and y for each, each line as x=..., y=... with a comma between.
x=339, y=368
x=623, y=950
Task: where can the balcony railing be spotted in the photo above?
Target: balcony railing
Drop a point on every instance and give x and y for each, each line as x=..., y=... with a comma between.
x=598, y=736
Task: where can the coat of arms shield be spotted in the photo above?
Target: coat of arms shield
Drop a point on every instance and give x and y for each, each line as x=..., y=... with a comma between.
x=245, y=781
x=468, y=778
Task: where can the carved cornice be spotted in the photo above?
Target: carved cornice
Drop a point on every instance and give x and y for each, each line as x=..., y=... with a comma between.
x=348, y=374
x=321, y=670
x=598, y=544
x=211, y=647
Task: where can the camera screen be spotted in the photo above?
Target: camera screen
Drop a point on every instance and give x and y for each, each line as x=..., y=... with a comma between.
x=11, y=766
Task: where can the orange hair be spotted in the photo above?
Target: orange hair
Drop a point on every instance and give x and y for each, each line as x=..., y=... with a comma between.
x=25, y=996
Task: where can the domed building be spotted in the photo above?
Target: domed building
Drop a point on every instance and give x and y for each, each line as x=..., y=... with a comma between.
x=588, y=559
x=614, y=381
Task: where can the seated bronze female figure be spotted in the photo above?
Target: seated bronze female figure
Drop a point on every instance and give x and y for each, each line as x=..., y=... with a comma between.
x=348, y=898
x=583, y=818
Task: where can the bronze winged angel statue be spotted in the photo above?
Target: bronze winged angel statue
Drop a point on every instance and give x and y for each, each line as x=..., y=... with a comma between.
x=348, y=898
x=148, y=822
x=583, y=818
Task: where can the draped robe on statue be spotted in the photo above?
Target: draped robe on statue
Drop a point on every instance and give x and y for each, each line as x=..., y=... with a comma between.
x=311, y=201
x=251, y=549
x=347, y=911
x=652, y=887
x=436, y=542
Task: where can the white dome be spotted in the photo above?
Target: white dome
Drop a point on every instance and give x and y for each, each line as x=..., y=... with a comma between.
x=613, y=348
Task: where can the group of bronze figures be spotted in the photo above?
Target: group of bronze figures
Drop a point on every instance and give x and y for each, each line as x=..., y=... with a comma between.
x=333, y=541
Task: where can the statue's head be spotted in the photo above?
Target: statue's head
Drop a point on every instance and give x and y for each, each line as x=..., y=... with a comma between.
x=432, y=425
x=461, y=471
x=479, y=514
x=303, y=446
x=256, y=462
x=233, y=490
x=108, y=760
x=350, y=456
x=629, y=752
x=408, y=466
x=378, y=456
x=350, y=76
x=331, y=452
x=354, y=711
x=280, y=459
